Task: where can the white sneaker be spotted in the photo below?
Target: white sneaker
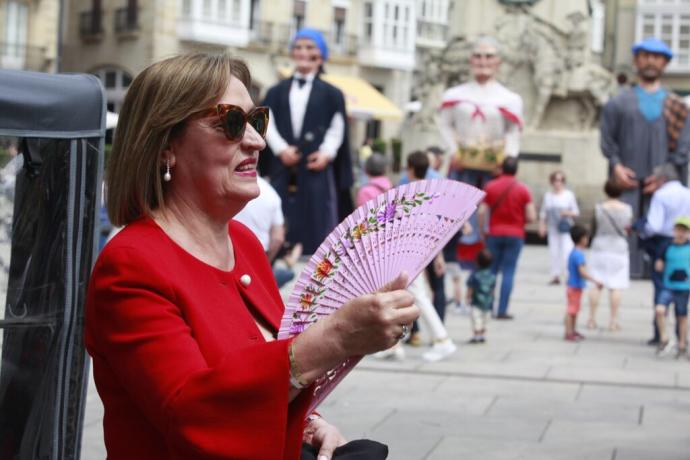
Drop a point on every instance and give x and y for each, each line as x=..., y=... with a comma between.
x=439, y=351
x=396, y=352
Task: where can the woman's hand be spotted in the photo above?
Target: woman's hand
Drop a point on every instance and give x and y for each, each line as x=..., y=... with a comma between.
x=364, y=325
x=542, y=229
x=324, y=436
x=374, y=322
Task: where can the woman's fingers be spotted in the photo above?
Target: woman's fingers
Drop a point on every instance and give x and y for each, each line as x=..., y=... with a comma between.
x=400, y=282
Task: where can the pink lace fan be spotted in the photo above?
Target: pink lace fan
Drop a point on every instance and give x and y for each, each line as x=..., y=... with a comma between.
x=400, y=230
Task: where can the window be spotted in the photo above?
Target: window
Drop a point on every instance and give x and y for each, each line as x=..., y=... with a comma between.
x=339, y=15
x=15, y=31
x=368, y=22
x=254, y=14
x=116, y=81
x=207, y=9
x=668, y=20
x=222, y=10
x=236, y=10
x=186, y=8
x=299, y=11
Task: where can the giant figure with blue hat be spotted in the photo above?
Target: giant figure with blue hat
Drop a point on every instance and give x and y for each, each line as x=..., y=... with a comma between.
x=643, y=127
x=308, y=154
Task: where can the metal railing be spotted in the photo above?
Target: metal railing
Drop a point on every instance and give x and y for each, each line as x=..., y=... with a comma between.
x=23, y=57
x=126, y=20
x=270, y=34
x=432, y=30
x=273, y=35
x=90, y=24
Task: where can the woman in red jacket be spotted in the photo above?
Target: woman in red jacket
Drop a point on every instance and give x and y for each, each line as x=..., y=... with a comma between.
x=182, y=309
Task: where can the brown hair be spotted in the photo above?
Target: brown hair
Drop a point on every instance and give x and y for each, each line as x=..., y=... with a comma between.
x=612, y=188
x=159, y=101
x=418, y=161
x=555, y=174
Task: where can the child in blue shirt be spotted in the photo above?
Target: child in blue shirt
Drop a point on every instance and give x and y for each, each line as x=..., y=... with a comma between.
x=675, y=264
x=480, y=295
x=577, y=276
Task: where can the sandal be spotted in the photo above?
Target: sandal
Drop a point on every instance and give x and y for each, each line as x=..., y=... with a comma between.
x=614, y=327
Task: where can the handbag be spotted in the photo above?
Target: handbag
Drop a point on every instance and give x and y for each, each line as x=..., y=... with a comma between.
x=359, y=449
x=564, y=225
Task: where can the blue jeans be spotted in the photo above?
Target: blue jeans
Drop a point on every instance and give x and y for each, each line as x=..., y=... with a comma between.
x=283, y=275
x=505, y=251
x=654, y=248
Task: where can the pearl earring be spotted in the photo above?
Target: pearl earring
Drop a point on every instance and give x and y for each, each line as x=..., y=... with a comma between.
x=167, y=176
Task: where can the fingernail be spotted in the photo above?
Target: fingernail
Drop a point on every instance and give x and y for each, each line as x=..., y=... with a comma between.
x=322, y=457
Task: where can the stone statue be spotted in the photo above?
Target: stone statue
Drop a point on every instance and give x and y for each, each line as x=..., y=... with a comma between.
x=439, y=70
x=559, y=64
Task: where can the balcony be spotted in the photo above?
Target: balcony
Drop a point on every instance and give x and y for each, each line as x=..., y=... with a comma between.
x=91, y=26
x=23, y=57
x=271, y=35
x=346, y=46
x=215, y=27
x=127, y=22
x=431, y=34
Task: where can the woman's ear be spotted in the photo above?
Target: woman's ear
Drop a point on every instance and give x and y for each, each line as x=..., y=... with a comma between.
x=167, y=157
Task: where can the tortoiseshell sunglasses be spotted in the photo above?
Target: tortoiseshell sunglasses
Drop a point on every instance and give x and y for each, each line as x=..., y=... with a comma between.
x=234, y=120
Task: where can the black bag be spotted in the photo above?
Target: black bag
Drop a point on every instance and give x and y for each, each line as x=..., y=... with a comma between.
x=564, y=225
x=360, y=449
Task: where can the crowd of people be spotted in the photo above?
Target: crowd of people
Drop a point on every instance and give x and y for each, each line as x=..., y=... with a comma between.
x=183, y=310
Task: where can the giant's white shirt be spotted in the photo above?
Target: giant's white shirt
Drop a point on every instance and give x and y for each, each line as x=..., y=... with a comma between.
x=475, y=115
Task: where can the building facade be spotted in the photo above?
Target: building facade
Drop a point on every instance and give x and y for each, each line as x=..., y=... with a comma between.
x=628, y=21
x=29, y=35
x=375, y=40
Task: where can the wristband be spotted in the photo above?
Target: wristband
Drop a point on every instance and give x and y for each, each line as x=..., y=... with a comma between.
x=295, y=375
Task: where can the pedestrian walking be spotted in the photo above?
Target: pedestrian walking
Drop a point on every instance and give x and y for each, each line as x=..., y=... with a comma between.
x=377, y=181
x=670, y=201
x=442, y=345
x=558, y=209
x=675, y=265
x=508, y=206
x=309, y=155
x=480, y=296
x=609, y=259
x=577, y=281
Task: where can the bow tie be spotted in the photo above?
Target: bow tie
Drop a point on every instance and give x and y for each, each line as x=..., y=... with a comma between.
x=301, y=81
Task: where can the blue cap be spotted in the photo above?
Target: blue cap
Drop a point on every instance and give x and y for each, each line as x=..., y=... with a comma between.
x=315, y=36
x=653, y=45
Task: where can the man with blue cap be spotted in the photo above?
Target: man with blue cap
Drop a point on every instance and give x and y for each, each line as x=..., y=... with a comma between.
x=642, y=128
x=308, y=153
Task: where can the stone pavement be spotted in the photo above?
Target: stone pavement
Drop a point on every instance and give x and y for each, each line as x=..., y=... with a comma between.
x=525, y=394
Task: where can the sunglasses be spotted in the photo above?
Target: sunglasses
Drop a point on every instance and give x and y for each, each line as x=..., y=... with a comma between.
x=483, y=55
x=234, y=120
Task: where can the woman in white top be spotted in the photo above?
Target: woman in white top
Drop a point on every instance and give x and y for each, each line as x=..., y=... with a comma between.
x=558, y=209
x=609, y=259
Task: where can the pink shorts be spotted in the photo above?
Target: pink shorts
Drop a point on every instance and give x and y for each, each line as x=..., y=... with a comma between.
x=574, y=296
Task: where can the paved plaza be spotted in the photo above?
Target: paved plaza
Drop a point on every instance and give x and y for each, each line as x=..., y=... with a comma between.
x=525, y=394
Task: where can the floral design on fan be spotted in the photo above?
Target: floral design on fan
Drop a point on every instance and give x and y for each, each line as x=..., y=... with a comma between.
x=387, y=212
x=328, y=266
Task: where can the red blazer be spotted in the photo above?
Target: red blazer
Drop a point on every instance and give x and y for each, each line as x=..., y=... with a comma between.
x=178, y=360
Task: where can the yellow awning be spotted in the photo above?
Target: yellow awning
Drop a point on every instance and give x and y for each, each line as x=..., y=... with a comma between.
x=362, y=100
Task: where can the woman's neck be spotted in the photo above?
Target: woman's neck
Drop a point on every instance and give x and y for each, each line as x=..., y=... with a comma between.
x=198, y=233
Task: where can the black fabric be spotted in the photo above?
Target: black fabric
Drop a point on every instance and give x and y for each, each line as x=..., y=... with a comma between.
x=316, y=201
x=360, y=449
x=35, y=104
